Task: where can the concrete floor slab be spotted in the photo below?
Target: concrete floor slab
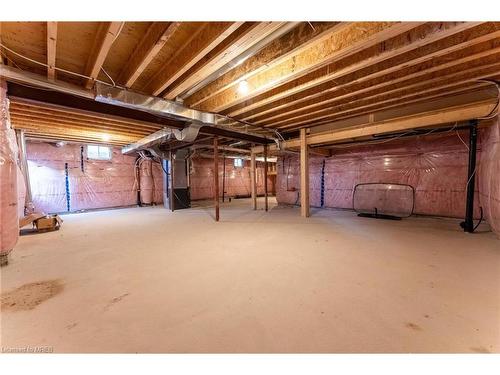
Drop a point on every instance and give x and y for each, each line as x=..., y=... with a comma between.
x=148, y=280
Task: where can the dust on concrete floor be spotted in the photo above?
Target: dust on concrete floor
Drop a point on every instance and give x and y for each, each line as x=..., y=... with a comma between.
x=148, y=280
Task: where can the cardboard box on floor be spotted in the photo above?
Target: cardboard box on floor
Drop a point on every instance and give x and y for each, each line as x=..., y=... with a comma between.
x=42, y=222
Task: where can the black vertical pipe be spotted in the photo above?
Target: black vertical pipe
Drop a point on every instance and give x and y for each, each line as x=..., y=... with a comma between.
x=468, y=224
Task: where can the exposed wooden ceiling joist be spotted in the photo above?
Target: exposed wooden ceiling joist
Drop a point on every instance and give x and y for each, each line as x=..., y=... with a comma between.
x=243, y=38
x=413, y=47
x=292, y=42
x=157, y=35
x=51, y=49
x=203, y=42
x=323, y=94
x=339, y=42
x=106, y=35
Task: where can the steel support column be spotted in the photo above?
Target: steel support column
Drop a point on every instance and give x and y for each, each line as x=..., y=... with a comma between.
x=468, y=224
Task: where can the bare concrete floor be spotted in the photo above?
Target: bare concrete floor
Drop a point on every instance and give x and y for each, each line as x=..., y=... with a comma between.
x=147, y=280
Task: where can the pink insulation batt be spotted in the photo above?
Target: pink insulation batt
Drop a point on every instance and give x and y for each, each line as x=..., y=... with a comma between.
x=101, y=184
x=9, y=211
x=435, y=165
x=489, y=174
x=237, y=182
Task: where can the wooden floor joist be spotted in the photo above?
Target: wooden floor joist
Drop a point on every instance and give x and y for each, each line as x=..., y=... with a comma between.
x=340, y=41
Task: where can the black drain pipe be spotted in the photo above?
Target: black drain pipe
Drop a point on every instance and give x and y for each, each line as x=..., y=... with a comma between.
x=468, y=224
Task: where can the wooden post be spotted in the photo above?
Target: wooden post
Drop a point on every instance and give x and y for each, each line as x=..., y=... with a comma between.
x=216, y=177
x=253, y=181
x=223, y=175
x=304, y=174
x=265, y=178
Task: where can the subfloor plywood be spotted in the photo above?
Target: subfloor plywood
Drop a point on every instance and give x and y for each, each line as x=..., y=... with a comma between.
x=148, y=280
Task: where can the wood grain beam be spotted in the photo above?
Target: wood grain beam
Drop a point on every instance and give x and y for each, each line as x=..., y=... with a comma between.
x=415, y=46
x=442, y=116
x=51, y=49
x=293, y=41
x=75, y=124
x=428, y=118
x=106, y=35
x=206, y=39
x=64, y=131
x=243, y=38
x=339, y=42
x=304, y=174
x=387, y=85
x=157, y=35
x=351, y=84
x=43, y=113
x=443, y=81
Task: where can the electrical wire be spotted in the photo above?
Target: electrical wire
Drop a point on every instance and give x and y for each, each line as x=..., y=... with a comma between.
x=54, y=67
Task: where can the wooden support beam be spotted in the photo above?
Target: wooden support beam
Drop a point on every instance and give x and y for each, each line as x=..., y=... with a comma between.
x=304, y=174
x=266, y=199
x=459, y=113
x=51, y=49
x=253, y=180
x=206, y=40
x=157, y=35
x=339, y=42
x=442, y=116
x=106, y=35
x=216, y=177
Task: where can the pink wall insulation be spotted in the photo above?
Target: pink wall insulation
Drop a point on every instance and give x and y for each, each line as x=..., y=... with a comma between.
x=151, y=182
x=435, y=165
x=489, y=174
x=101, y=184
x=237, y=179
x=9, y=214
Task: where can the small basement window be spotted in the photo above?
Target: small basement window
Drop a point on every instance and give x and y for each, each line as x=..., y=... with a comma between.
x=238, y=163
x=98, y=152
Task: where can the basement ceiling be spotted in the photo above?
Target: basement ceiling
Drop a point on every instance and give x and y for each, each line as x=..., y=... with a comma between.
x=294, y=75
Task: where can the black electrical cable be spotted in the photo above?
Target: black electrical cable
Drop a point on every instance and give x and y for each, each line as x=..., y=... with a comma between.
x=480, y=219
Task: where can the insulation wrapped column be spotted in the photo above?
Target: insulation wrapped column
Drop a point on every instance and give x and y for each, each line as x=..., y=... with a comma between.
x=146, y=181
x=9, y=216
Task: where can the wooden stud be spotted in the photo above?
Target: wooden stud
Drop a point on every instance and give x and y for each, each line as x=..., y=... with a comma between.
x=157, y=35
x=216, y=177
x=304, y=174
x=106, y=35
x=253, y=182
x=51, y=49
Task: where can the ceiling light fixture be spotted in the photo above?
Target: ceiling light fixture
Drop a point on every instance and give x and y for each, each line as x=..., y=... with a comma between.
x=243, y=87
x=105, y=137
